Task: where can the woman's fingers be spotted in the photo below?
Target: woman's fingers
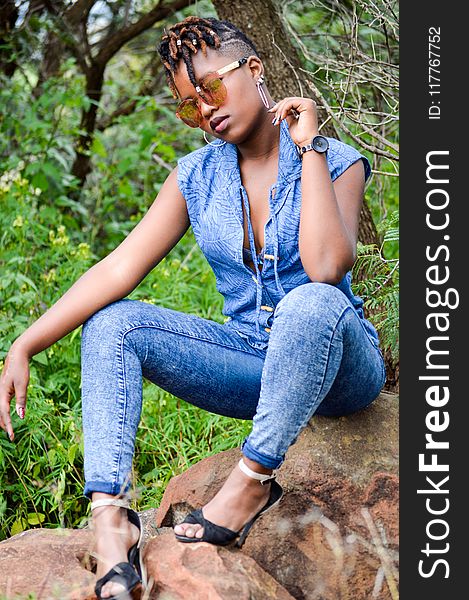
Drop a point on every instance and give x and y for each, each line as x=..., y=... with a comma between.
x=300, y=115
x=291, y=108
x=21, y=402
x=5, y=420
x=14, y=381
x=6, y=394
x=279, y=110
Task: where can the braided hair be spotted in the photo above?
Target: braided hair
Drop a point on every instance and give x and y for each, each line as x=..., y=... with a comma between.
x=186, y=37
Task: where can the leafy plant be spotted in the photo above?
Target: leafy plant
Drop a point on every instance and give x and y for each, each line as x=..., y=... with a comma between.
x=380, y=289
x=41, y=473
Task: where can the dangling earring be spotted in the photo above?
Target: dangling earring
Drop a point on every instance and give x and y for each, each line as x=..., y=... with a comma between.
x=212, y=144
x=259, y=82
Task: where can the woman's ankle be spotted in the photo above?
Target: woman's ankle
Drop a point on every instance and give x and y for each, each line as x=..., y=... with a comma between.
x=257, y=467
x=111, y=518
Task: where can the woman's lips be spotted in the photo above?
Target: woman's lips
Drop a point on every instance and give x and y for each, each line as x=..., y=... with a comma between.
x=220, y=125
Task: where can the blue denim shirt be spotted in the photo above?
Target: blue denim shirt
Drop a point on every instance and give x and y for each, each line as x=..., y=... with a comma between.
x=210, y=181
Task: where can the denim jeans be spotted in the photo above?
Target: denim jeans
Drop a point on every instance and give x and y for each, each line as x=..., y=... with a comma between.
x=320, y=359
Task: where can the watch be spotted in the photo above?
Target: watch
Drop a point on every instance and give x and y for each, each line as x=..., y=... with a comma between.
x=319, y=144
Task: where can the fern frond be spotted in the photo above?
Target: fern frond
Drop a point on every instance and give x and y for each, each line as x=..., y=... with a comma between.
x=380, y=287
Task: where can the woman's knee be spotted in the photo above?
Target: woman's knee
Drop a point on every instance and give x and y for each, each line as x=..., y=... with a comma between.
x=311, y=301
x=114, y=318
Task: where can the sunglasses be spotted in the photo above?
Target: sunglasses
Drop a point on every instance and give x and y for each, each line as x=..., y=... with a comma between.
x=211, y=89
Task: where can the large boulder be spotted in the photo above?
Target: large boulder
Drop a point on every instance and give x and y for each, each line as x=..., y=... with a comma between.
x=204, y=571
x=51, y=563
x=335, y=533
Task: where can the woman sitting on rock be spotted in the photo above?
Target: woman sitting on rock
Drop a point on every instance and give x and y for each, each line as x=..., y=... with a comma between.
x=274, y=206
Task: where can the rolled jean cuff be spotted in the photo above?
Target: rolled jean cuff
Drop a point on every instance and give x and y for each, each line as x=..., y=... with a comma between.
x=112, y=489
x=266, y=461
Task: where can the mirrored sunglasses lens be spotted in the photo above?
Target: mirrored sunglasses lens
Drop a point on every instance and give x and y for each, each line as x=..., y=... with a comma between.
x=189, y=113
x=214, y=89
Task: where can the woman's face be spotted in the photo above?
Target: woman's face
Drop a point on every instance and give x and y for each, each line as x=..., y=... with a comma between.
x=242, y=107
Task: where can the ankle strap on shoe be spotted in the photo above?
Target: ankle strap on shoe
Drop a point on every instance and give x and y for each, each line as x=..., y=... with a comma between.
x=262, y=478
x=120, y=502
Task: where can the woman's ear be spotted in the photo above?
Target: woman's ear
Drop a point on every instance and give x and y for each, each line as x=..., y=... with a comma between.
x=255, y=66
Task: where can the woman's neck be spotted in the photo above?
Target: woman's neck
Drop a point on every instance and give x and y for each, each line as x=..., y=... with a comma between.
x=263, y=144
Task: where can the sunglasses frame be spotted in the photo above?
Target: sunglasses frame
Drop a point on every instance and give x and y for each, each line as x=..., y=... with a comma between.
x=226, y=69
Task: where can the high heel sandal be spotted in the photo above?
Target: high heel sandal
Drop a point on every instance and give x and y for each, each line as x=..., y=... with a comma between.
x=222, y=536
x=128, y=574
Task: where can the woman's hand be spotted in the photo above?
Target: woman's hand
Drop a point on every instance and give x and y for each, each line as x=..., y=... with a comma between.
x=13, y=382
x=301, y=115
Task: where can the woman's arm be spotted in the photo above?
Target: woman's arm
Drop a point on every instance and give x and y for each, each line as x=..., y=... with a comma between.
x=109, y=280
x=330, y=212
x=117, y=274
x=329, y=218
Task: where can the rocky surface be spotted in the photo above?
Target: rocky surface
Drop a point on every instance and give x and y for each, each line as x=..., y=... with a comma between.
x=334, y=535
x=203, y=571
x=52, y=564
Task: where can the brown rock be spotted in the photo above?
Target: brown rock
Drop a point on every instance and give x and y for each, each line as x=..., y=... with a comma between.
x=203, y=571
x=334, y=535
x=49, y=562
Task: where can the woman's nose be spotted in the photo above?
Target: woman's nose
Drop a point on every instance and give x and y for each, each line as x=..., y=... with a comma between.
x=206, y=109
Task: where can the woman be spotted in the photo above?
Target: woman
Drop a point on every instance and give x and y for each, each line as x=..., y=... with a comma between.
x=274, y=207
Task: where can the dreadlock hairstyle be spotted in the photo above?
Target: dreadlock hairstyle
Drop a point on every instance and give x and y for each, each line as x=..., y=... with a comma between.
x=186, y=37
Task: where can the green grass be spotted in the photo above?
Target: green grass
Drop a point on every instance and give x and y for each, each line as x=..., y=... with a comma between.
x=41, y=473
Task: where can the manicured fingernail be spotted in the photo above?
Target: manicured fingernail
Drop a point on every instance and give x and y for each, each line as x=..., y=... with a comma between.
x=20, y=412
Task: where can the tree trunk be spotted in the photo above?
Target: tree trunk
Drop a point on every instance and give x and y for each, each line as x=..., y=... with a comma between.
x=54, y=53
x=8, y=16
x=94, y=84
x=94, y=69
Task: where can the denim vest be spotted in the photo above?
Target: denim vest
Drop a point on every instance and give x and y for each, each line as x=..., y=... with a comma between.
x=210, y=181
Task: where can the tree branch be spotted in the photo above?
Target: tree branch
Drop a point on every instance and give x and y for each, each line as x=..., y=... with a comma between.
x=344, y=128
x=114, y=42
x=78, y=12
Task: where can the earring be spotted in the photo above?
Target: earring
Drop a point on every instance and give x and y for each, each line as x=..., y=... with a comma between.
x=212, y=144
x=259, y=82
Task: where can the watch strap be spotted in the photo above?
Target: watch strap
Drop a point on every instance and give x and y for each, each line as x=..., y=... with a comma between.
x=318, y=140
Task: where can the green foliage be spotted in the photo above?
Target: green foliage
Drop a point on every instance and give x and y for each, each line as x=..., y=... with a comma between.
x=40, y=131
x=130, y=161
x=41, y=473
x=380, y=288
x=31, y=596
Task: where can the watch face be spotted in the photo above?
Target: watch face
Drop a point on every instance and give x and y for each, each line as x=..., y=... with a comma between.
x=320, y=143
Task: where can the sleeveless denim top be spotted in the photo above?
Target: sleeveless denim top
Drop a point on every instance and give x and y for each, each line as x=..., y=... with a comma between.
x=210, y=181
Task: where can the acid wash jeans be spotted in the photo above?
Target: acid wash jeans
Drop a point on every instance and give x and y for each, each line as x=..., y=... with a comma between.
x=319, y=360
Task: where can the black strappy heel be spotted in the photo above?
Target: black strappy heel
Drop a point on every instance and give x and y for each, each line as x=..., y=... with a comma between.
x=222, y=536
x=128, y=574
